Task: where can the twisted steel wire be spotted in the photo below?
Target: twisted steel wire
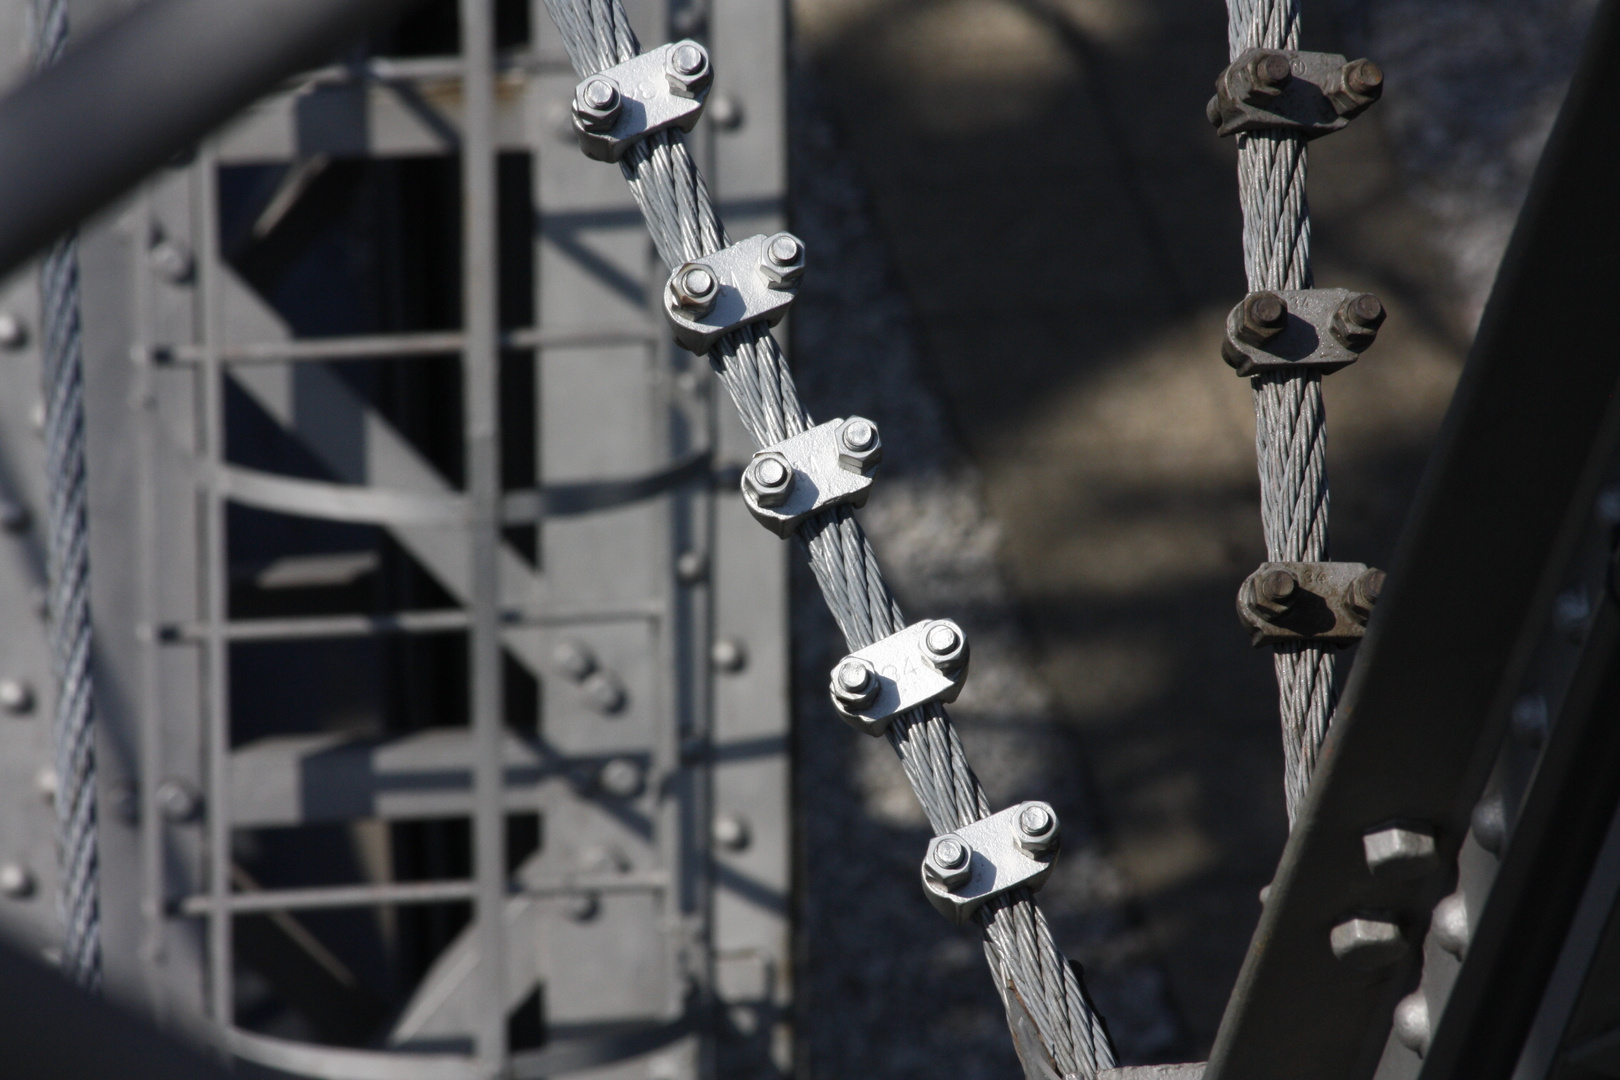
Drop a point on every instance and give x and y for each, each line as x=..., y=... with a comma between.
x=681, y=217
x=1290, y=431
x=68, y=561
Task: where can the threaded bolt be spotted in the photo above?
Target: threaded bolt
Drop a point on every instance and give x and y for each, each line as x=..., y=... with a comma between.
x=1356, y=322
x=687, y=68
x=598, y=103
x=854, y=683
x=859, y=435
x=944, y=645
x=1364, y=592
x=769, y=480
x=1276, y=587
x=1037, y=827
x=687, y=59
x=1264, y=315
x=1268, y=73
x=783, y=261
x=696, y=289
x=949, y=860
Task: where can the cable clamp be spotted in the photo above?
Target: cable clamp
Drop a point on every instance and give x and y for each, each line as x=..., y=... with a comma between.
x=925, y=662
x=1281, y=89
x=1325, y=329
x=662, y=88
x=753, y=280
x=1014, y=849
x=1309, y=601
x=828, y=465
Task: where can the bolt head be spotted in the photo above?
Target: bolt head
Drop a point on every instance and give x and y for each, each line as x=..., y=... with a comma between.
x=693, y=289
x=16, y=697
x=1367, y=944
x=1356, y=323
x=13, y=333
x=1400, y=852
x=768, y=480
x=1274, y=591
x=1360, y=83
x=622, y=778
x=603, y=692
x=16, y=881
x=1364, y=592
x=1269, y=72
x=597, y=104
x=178, y=801
x=945, y=646
x=687, y=68
x=949, y=860
x=1262, y=316
x=1037, y=827
x=854, y=684
x=860, y=445
x=575, y=659
x=782, y=260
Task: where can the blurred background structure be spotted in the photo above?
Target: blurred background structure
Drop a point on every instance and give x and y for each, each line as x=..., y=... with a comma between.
x=1023, y=240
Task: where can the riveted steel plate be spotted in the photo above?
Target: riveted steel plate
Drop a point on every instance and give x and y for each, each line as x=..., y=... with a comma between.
x=821, y=477
x=745, y=296
x=650, y=104
x=1303, y=104
x=1320, y=608
x=998, y=865
x=1306, y=340
x=905, y=678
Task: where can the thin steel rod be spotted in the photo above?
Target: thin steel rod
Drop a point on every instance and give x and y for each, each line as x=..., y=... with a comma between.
x=406, y=346
x=423, y=892
x=405, y=622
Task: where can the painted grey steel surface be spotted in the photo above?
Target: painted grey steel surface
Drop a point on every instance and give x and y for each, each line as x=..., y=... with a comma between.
x=416, y=736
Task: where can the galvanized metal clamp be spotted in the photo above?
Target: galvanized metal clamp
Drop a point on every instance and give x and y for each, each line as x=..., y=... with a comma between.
x=753, y=280
x=1300, y=328
x=1303, y=601
x=925, y=662
x=1282, y=89
x=662, y=88
x=1010, y=850
x=828, y=465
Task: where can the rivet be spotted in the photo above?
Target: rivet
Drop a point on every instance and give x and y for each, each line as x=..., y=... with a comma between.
x=691, y=567
x=13, y=332
x=16, y=881
x=1449, y=925
x=16, y=697
x=178, y=801
x=728, y=654
x=622, y=778
x=1412, y=1022
x=731, y=831
x=575, y=659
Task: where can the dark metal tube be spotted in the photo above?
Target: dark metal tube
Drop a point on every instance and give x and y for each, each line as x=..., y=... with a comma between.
x=143, y=88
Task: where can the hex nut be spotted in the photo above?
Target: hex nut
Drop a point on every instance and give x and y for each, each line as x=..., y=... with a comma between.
x=1364, y=592
x=1360, y=83
x=945, y=646
x=1367, y=944
x=1356, y=323
x=949, y=860
x=1400, y=851
x=1412, y=1022
x=687, y=67
x=1037, y=825
x=769, y=479
x=694, y=288
x=1449, y=925
x=597, y=104
x=1268, y=73
x=16, y=881
x=178, y=801
x=575, y=659
x=1264, y=314
x=622, y=778
x=1274, y=592
x=854, y=684
x=860, y=445
x=782, y=260
x=16, y=697
x=731, y=831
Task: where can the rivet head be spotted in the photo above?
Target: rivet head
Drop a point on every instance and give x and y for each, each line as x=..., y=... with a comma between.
x=854, y=683
x=1449, y=925
x=769, y=479
x=1489, y=823
x=944, y=645
x=603, y=692
x=16, y=697
x=1037, y=827
x=580, y=906
x=16, y=881
x=1367, y=944
x=13, y=332
x=14, y=516
x=574, y=659
x=1400, y=852
x=731, y=831
x=949, y=860
x=1412, y=1022
x=172, y=260
x=728, y=654
x=1528, y=720
x=178, y=801
x=691, y=567
x=622, y=778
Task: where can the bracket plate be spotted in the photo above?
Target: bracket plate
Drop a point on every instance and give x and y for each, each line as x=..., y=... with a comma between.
x=999, y=864
x=1321, y=607
x=1314, y=100
x=825, y=473
x=745, y=295
x=1307, y=339
x=650, y=102
x=905, y=678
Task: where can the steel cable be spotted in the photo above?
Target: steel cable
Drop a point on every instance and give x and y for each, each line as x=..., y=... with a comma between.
x=1290, y=420
x=681, y=218
x=68, y=561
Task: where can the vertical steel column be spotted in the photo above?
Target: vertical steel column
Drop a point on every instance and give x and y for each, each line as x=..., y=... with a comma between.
x=481, y=395
x=215, y=584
